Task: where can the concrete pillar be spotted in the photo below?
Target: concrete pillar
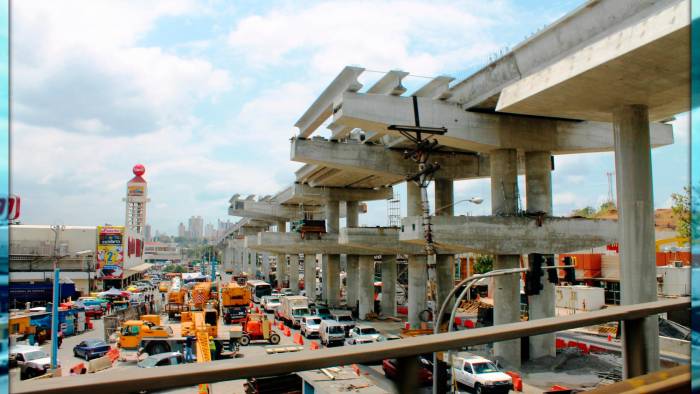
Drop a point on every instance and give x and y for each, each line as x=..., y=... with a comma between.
x=332, y=267
x=310, y=276
x=636, y=234
x=266, y=267
x=417, y=280
x=294, y=273
x=351, y=280
x=444, y=264
x=417, y=264
x=252, y=263
x=538, y=189
x=366, y=285
x=324, y=278
x=281, y=273
x=388, y=301
x=506, y=295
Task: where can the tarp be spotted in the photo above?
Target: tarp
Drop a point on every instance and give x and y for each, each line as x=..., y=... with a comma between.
x=114, y=293
x=137, y=269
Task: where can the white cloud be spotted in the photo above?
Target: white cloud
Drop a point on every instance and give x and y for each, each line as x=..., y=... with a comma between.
x=423, y=38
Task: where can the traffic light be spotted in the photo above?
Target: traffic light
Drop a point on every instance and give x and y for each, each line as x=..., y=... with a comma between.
x=552, y=274
x=533, y=277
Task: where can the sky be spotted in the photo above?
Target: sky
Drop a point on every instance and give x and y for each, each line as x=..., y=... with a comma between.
x=205, y=95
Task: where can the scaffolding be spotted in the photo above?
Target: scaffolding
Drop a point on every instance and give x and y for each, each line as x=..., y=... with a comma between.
x=393, y=211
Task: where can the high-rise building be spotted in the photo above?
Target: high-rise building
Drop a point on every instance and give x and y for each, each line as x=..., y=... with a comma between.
x=181, y=230
x=147, y=233
x=209, y=232
x=196, y=227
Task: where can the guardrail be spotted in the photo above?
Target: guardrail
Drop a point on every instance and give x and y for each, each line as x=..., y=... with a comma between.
x=116, y=381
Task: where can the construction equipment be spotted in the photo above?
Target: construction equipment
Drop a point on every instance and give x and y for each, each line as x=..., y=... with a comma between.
x=680, y=241
x=309, y=226
x=234, y=302
x=177, y=298
x=201, y=293
x=257, y=326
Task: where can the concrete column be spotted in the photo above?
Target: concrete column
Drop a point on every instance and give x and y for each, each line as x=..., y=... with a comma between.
x=417, y=264
x=366, y=285
x=310, y=276
x=351, y=278
x=294, y=273
x=538, y=189
x=388, y=301
x=332, y=263
x=266, y=267
x=444, y=264
x=636, y=234
x=506, y=295
x=281, y=273
x=252, y=263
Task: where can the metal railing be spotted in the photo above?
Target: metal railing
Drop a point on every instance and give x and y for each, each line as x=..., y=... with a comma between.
x=117, y=381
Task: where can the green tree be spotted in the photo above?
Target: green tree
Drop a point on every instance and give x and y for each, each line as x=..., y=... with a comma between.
x=174, y=268
x=483, y=264
x=587, y=212
x=681, y=210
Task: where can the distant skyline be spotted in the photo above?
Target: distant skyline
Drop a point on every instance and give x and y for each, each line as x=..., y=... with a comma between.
x=205, y=95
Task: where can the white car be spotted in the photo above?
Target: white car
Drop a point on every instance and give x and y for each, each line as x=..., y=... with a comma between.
x=270, y=303
x=480, y=374
x=365, y=333
x=32, y=361
x=310, y=326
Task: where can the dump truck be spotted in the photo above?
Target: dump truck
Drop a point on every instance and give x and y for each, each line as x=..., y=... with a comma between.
x=137, y=337
x=234, y=302
x=292, y=308
x=177, y=298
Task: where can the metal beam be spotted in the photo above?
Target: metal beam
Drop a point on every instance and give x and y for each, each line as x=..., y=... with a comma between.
x=114, y=381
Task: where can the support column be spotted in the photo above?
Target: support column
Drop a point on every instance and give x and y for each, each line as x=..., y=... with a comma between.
x=310, y=276
x=506, y=294
x=351, y=278
x=388, y=301
x=266, y=267
x=636, y=234
x=294, y=273
x=417, y=264
x=281, y=273
x=332, y=267
x=444, y=265
x=366, y=286
x=252, y=263
x=538, y=189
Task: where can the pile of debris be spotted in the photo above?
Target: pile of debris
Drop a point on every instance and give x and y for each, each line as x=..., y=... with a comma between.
x=472, y=306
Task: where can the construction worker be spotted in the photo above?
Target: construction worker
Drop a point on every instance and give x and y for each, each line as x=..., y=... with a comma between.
x=189, y=341
x=212, y=348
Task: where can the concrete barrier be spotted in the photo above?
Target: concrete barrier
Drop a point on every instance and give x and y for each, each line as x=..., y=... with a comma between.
x=99, y=364
x=673, y=345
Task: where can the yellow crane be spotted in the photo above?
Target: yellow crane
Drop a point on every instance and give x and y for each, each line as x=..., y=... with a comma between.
x=202, y=325
x=680, y=241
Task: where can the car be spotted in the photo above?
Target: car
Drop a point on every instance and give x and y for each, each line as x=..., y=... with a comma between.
x=365, y=332
x=425, y=369
x=345, y=320
x=388, y=337
x=310, y=326
x=321, y=311
x=91, y=348
x=359, y=341
x=32, y=361
x=331, y=332
x=480, y=374
x=161, y=360
x=270, y=303
x=287, y=291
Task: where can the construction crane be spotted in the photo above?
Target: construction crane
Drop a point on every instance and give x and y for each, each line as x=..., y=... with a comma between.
x=680, y=241
x=202, y=325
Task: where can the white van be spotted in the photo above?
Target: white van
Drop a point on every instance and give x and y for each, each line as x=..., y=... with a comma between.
x=331, y=333
x=480, y=374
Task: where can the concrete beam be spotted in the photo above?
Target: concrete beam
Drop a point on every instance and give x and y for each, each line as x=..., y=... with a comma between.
x=376, y=160
x=305, y=194
x=381, y=240
x=484, y=132
x=266, y=210
x=291, y=243
x=511, y=235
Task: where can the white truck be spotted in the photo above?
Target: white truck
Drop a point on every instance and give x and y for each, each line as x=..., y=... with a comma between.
x=480, y=374
x=292, y=308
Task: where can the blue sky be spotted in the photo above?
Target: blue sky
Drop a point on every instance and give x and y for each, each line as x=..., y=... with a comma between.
x=205, y=95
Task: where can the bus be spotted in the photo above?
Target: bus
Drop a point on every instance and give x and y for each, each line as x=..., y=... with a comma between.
x=259, y=289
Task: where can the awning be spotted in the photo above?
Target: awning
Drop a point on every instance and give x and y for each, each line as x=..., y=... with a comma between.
x=137, y=269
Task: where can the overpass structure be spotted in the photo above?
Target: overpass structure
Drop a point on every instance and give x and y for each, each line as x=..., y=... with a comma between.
x=606, y=77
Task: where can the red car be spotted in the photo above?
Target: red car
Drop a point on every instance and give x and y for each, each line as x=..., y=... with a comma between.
x=425, y=370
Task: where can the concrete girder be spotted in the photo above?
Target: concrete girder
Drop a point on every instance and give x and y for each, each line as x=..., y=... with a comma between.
x=322, y=108
x=484, y=132
x=374, y=159
x=380, y=240
x=511, y=235
x=565, y=36
x=647, y=62
x=291, y=243
x=298, y=194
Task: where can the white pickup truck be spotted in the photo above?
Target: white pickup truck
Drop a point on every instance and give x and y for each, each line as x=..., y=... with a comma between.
x=292, y=308
x=480, y=374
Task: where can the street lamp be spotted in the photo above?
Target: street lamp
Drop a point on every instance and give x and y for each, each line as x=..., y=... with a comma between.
x=54, y=306
x=473, y=200
x=83, y=254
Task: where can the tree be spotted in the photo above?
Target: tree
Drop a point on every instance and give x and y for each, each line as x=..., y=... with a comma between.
x=586, y=212
x=174, y=268
x=681, y=210
x=483, y=264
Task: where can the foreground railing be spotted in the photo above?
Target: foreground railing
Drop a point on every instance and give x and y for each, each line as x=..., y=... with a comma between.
x=134, y=380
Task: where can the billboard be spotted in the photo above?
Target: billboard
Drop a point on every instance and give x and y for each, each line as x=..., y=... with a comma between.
x=110, y=252
x=136, y=190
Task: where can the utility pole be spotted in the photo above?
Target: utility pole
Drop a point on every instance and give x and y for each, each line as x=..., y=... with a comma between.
x=54, y=306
